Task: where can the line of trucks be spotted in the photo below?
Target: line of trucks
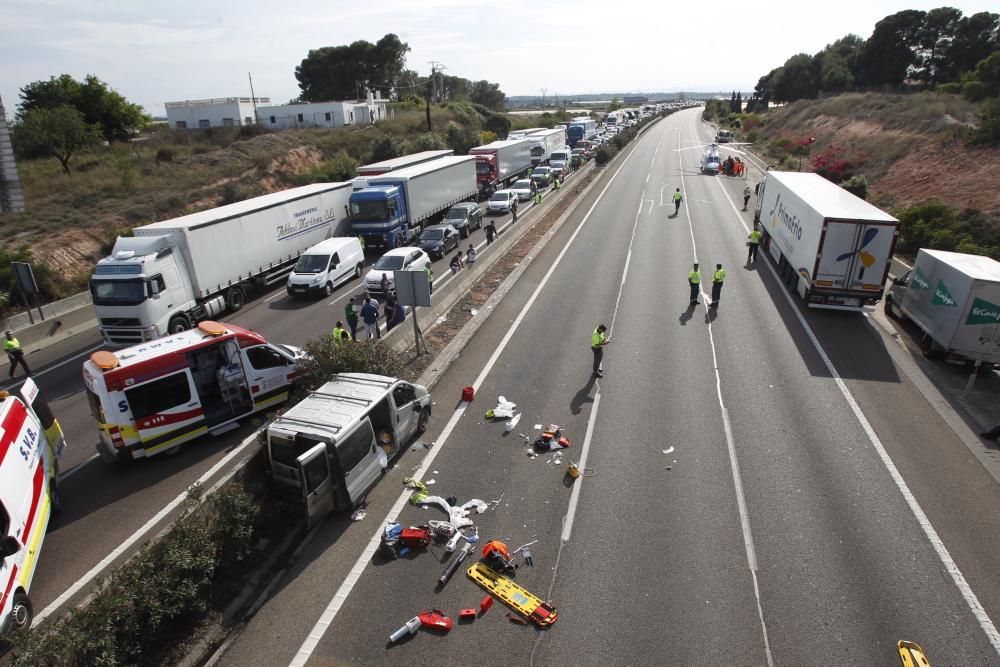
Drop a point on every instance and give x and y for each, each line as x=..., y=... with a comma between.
x=170, y=275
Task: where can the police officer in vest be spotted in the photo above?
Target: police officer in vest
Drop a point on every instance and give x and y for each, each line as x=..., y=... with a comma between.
x=597, y=342
x=12, y=346
x=694, y=280
x=753, y=241
x=717, y=278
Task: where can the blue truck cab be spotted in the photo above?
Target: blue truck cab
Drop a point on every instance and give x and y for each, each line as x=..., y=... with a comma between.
x=379, y=216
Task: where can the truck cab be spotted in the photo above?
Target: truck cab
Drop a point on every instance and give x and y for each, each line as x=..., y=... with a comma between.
x=379, y=215
x=331, y=448
x=487, y=175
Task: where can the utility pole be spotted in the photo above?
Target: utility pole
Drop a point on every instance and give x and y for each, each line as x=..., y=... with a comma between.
x=253, y=99
x=544, y=90
x=437, y=83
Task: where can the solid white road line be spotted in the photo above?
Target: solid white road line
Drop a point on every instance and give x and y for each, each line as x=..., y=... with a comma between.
x=139, y=534
x=340, y=597
x=943, y=555
x=734, y=465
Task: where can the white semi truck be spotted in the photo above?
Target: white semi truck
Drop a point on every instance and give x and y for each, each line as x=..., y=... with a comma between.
x=954, y=298
x=170, y=275
x=831, y=247
x=543, y=143
x=397, y=163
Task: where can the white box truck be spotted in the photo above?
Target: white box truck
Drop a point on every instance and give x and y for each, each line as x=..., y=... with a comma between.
x=170, y=275
x=831, y=247
x=954, y=299
x=389, y=210
x=397, y=163
x=543, y=143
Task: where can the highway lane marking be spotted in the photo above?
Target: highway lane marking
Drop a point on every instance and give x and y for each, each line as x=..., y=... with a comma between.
x=918, y=513
x=65, y=474
x=317, y=632
x=734, y=464
x=139, y=534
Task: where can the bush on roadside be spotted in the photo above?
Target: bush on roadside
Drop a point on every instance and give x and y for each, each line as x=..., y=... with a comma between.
x=857, y=185
x=603, y=156
x=938, y=226
x=327, y=358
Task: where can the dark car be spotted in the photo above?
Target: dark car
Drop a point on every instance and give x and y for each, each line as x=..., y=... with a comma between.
x=437, y=240
x=464, y=217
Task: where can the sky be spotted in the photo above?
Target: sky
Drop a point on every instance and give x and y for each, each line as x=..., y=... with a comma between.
x=154, y=52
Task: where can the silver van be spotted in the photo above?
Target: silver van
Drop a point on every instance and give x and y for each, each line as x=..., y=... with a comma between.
x=326, y=265
x=332, y=447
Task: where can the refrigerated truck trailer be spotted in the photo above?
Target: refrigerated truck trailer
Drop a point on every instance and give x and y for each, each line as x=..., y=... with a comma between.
x=831, y=247
x=173, y=274
x=389, y=210
x=397, y=163
x=543, y=143
x=954, y=298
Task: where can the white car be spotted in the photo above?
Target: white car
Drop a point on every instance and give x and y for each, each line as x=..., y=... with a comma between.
x=502, y=201
x=397, y=259
x=523, y=189
x=558, y=167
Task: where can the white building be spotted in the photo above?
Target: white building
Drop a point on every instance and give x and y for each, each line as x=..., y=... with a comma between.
x=216, y=112
x=323, y=114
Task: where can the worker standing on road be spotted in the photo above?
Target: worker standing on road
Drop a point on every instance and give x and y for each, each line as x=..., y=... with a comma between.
x=694, y=280
x=384, y=284
x=746, y=197
x=597, y=342
x=369, y=313
x=470, y=255
x=12, y=346
x=753, y=242
x=513, y=215
x=717, y=278
x=351, y=313
x=678, y=198
x=491, y=231
x=340, y=334
x=538, y=197
x=430, y=278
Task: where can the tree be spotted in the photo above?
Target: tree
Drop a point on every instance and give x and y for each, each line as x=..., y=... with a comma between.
x=385, y=147
x=117, y=118
x=795, y=80
x=616, y=104
x=60, y=132
x=489, y=95
x=461, y=138
x=498, y=124
x=976, y=37
x=739, y=102
x=935, y=40
x=890, y=52
x=343, y=72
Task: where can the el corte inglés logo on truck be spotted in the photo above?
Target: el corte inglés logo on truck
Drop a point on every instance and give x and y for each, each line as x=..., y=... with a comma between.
x=983, y=312
x=942, y=296
x=920, y=280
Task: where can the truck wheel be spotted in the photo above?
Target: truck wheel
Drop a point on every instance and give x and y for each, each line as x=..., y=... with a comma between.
x=423, y=420
x=235, y=298
x=21, y=613
x=178, y=323
x=889, y=309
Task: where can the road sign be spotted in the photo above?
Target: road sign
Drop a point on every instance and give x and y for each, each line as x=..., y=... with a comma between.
x=413, y=288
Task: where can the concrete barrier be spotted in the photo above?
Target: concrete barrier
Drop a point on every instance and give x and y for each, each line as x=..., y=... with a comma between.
x=63, y=319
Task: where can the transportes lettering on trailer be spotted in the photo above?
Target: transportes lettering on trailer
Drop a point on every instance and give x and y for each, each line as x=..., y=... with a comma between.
x=153, y=397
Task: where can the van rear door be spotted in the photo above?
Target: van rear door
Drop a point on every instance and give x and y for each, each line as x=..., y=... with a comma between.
x=317, y=483
x=854, y=255
x=358, y=457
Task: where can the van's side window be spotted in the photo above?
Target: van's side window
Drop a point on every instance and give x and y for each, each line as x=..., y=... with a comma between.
x=334, y=261
x=262, y=357
x=404, y=394
x=356, y=446
x=159, y=395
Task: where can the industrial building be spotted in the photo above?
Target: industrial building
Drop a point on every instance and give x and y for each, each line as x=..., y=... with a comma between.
x=215, y=112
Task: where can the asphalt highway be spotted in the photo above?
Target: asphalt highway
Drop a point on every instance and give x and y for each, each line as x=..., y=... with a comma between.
x=763, y=484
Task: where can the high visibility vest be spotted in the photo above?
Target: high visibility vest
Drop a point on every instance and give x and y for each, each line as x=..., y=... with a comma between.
x=677, y=196
x=339, y=334
x=694, y=277
x=754, y=236
x=430, y=274
x=597, y=339
x=11, y=345
x=719, y=276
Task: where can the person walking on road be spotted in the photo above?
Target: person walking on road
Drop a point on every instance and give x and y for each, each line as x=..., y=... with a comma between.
x=351, y=314
x=678, y=198
x=470, y=255
x=491, y=231
x=746, y=197
x=694, y=280
x=369, y=313
x=753, y=242
x=598, y=341
x=538, y=198
x=12, y=346
x=717, y=279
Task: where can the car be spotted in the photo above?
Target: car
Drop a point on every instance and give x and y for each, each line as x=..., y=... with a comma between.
x=542, y=176
x=397, y=259
x=436, y=240
x=524, y=188
x=558, y=168
x=502, y=201
x=464, y=217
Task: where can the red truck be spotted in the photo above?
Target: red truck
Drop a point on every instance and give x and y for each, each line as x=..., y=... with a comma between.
x=500, y=163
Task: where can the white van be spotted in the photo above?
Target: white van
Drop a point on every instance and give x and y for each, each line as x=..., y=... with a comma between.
x=326, y=265
x=153, y=397
x=330, y=449
x=31, y=442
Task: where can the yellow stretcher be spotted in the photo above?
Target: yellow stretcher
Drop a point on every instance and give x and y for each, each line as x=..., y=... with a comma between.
x=911, y=654
x=514, y=596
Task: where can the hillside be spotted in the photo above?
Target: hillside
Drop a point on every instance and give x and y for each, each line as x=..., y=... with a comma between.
x=909, y=147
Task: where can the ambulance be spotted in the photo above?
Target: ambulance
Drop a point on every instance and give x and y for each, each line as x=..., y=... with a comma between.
x=155, y=396
x=31, y=442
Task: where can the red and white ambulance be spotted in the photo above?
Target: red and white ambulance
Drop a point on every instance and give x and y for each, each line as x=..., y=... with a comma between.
x=154, y=396
x=31, y=442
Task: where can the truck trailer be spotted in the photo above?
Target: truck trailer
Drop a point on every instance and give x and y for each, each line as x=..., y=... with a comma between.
x=580, y=129
x=173, y=274
x=830, y=246
x=543, y=143
x=500, y=163
x=388, y=211
x=397, y=163
x=954, y=299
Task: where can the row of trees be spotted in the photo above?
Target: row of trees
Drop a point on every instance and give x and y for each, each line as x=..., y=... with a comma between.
x=909, y=49
x=346, y=71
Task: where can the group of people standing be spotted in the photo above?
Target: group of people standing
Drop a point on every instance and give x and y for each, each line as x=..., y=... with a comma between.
x=733, y=166
x=368, y=312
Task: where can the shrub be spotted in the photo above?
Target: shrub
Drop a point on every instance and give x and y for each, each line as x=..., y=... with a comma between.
x=603, y=156
x=426, y=141
x=165, y=154
x=857, y=185
x=385, y=147
x=327, y=358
